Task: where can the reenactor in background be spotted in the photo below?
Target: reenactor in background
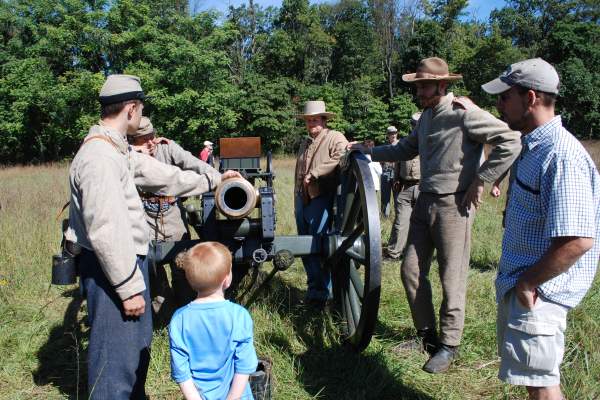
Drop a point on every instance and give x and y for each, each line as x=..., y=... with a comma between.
x=314, y=189
x=166, y=215
x=206, y=154
x=374, y=167
x=406, y=191
x=449, y=140
x=387, y=175
x=107, y=222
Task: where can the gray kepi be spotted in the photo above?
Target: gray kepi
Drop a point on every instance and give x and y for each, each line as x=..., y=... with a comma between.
x=118, y=88
x=315, y=108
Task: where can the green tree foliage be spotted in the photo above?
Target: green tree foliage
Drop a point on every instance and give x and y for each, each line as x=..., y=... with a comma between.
x=250, y=71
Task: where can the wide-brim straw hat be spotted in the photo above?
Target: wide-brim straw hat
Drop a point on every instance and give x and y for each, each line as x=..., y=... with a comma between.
x=431, y=69
x=315, y=108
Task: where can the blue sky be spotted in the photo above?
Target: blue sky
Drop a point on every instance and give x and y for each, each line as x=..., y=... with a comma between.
x=480, y=9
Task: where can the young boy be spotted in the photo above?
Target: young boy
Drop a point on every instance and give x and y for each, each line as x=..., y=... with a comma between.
x=212, y=351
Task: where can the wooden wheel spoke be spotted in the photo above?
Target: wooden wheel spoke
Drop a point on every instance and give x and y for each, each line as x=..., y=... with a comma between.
x=350, y=320
x=353, y=215
x=356, y=282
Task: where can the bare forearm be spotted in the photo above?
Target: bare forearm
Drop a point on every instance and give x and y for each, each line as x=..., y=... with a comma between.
x=189, y=391
x=561, y=255
x=238, y=385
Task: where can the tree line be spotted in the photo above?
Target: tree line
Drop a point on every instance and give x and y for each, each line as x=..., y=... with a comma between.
x=248, y=72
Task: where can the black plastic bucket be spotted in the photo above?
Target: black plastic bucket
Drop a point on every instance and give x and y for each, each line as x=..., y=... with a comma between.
x=261, y=380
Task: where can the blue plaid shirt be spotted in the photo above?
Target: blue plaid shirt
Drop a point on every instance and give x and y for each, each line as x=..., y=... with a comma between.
x=555, y=193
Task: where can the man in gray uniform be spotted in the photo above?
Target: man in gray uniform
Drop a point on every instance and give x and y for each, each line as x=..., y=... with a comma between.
x=165, y=214
x=449, y=140
x=406, y=192
x=387, y=175
x=106, y=221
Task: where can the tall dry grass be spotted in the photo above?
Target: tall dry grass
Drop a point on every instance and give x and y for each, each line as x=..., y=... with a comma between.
x=43, y=338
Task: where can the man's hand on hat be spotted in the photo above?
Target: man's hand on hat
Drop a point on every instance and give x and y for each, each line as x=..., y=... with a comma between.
x=359, y=146
x=473, y=194
x=230, y=174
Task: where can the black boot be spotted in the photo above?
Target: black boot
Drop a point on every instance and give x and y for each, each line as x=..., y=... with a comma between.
x=441, y=360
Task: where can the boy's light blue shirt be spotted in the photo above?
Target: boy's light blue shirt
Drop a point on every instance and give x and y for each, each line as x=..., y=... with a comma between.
x=210, y=342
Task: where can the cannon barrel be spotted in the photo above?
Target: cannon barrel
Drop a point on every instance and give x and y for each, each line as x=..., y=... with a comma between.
x=235, y=198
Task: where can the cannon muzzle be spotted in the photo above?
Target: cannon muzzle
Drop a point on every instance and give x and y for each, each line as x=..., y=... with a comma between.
x=236, y=198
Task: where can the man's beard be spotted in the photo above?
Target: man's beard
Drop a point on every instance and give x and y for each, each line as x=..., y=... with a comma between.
x=517, y=125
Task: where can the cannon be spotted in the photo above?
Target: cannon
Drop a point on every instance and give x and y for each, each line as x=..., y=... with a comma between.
x=240, y=213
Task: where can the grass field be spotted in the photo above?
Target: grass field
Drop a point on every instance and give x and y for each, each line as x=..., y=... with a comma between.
x=43, y=338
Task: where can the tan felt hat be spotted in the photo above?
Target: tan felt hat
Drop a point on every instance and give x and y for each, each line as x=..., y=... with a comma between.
x=118, y=88
x=145, y=128
x=315, y=108
x=431, y=69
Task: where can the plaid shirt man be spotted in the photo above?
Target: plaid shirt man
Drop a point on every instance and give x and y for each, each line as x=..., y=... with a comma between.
x=555, y=193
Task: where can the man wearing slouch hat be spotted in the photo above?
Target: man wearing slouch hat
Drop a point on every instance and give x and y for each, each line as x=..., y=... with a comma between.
x=315, y=184
x=106, y=220
x=448, y=139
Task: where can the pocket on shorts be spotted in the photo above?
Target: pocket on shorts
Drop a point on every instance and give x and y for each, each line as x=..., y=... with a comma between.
x=531, y=343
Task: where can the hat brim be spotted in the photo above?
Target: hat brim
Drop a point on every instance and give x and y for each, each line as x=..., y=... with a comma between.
x=495, y=86
x=411, y=78
x=327, y=115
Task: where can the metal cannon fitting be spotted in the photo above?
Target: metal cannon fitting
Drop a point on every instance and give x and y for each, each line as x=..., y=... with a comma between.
x=236, y=198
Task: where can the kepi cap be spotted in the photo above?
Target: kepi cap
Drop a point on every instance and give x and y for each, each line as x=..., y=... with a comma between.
x=118, y=88
x=391, y=130
x=145, y=128
x=534, y=73
x=208, y=143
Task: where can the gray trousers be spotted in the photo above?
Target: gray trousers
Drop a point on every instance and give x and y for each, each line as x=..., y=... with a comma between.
x=438, y=222
x=404, y=201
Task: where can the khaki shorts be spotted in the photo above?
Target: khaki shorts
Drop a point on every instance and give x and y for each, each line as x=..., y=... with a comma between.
x=531, y=343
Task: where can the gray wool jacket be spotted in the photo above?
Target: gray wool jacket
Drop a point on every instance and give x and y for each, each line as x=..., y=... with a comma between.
x=449, y=140
x=106, y=214
x=172, y=224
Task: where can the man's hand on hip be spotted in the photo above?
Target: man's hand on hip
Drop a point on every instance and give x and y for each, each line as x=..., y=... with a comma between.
x=526, y=294
x=134, y=306
x=473, y=194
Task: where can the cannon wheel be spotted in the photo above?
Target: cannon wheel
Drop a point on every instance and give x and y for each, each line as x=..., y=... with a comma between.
x=356, y=258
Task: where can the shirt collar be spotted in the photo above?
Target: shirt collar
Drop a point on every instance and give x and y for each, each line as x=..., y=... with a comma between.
x=118, y=138
x=539, y=134
x=319, y=136
x=444, y=102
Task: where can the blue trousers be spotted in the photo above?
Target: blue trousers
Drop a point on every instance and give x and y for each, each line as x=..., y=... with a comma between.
x=119, y=346
x=386, y=194
x=313, y=219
